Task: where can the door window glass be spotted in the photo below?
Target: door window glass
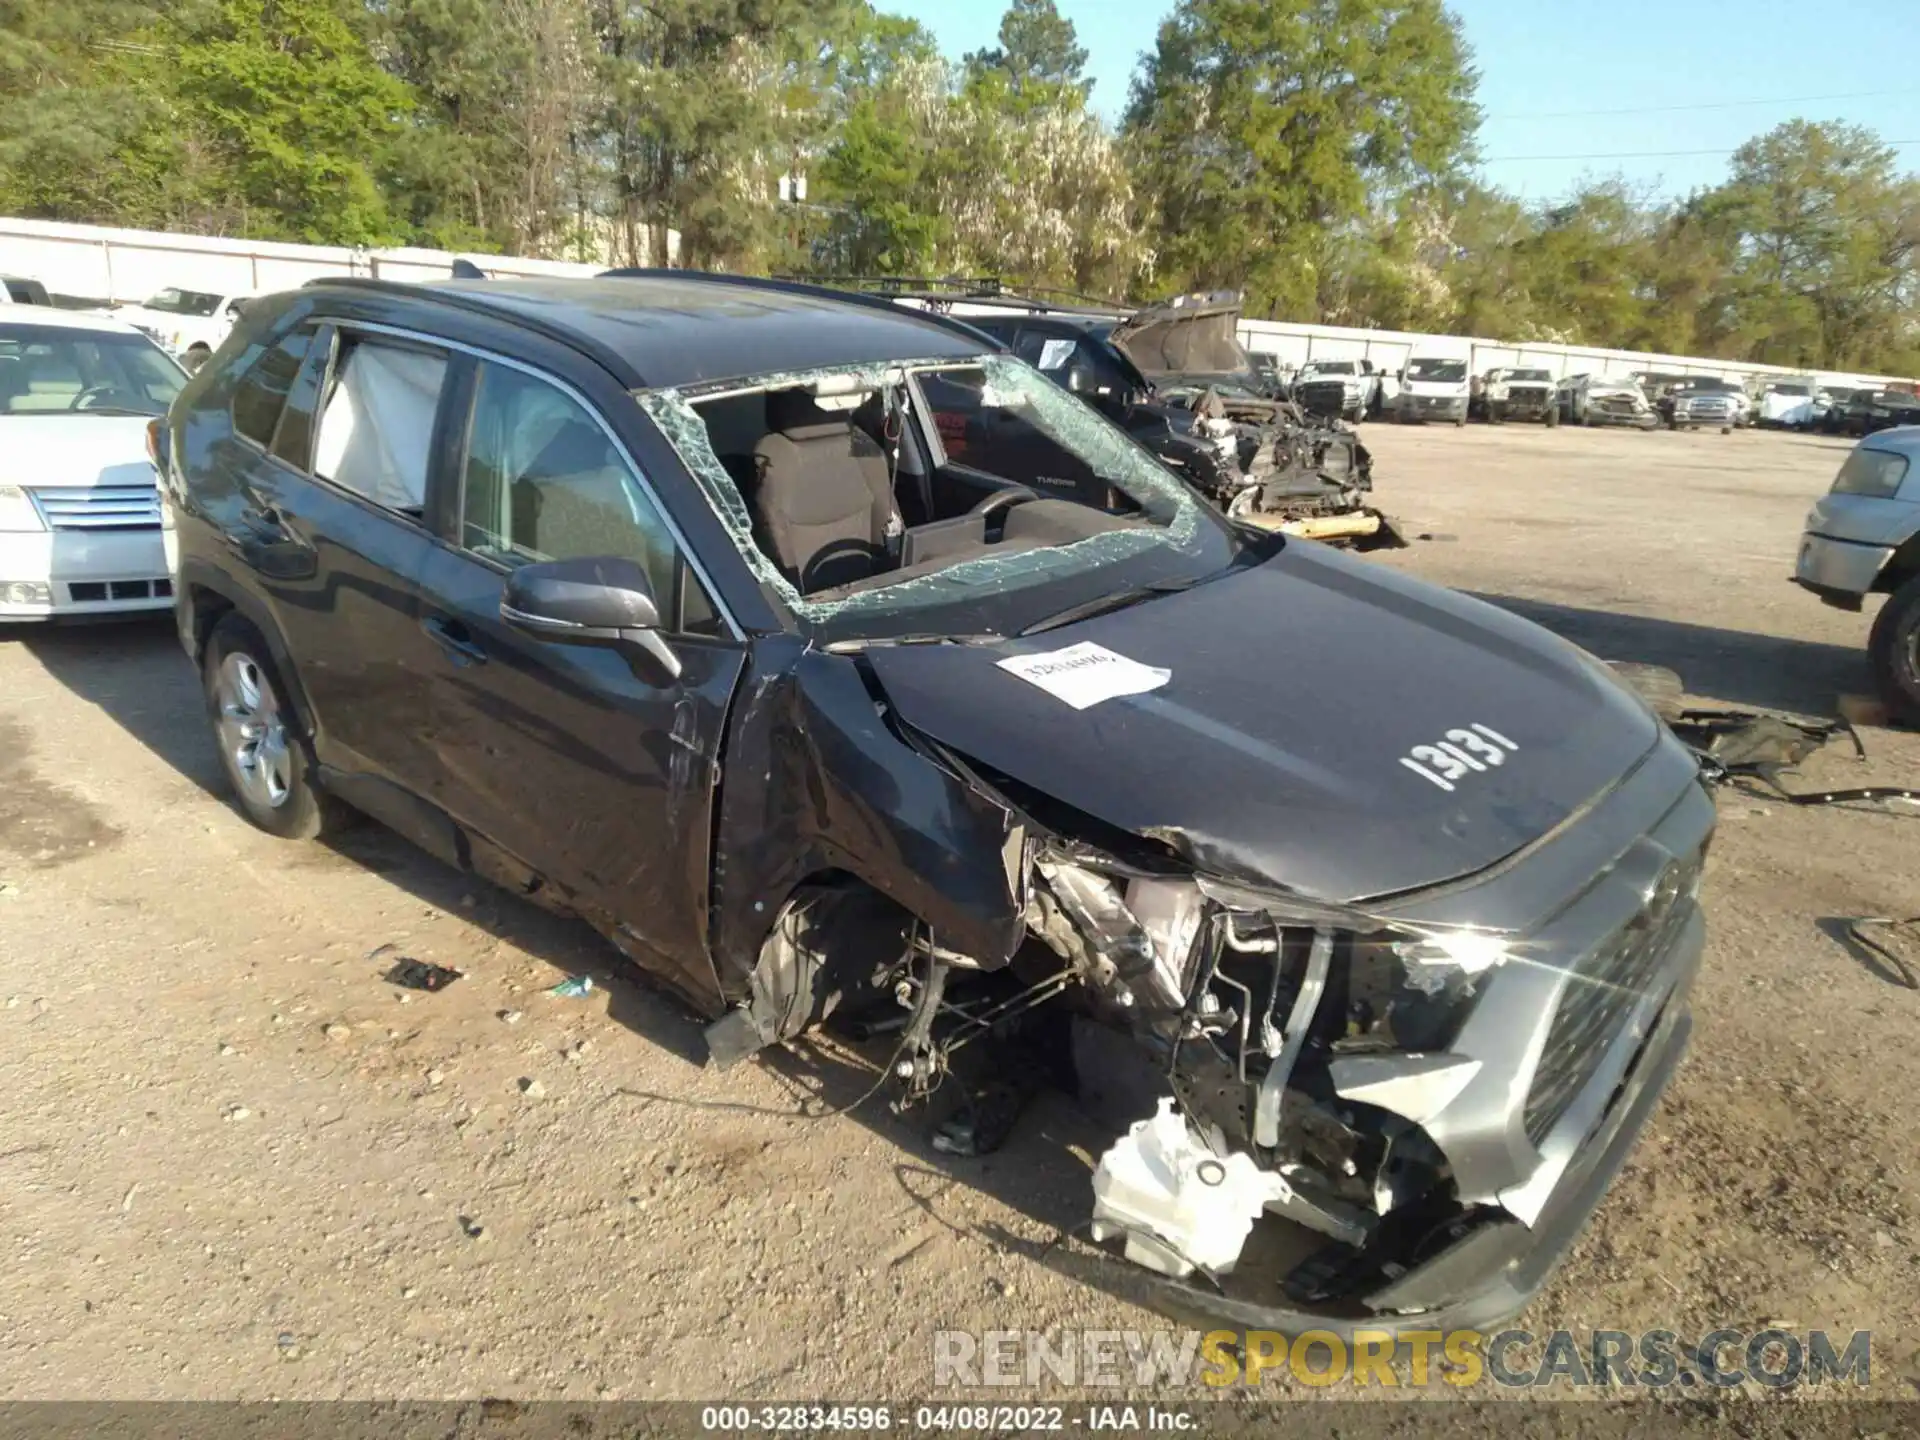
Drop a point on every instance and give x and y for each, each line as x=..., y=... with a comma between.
x=376, y=428
x=544, y=481
x=293, y=440
x=992, y=432
x=264, y=380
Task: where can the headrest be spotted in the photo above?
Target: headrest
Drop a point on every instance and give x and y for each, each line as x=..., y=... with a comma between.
x=789, y=411
x=576, y=448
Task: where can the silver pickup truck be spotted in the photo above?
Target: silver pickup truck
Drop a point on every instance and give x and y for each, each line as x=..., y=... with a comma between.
x=1863, y=538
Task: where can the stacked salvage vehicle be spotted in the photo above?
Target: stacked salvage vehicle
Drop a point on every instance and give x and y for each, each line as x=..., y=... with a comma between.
x=1175, y=376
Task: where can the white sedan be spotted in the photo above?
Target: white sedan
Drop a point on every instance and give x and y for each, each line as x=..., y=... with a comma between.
x=79, y=511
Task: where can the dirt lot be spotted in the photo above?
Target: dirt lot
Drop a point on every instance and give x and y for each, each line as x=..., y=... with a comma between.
x=237, y=1164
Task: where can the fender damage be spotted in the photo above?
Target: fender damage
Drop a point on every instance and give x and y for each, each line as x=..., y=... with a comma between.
x=1394, y=1110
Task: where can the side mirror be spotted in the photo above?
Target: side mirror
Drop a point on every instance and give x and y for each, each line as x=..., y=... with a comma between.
x=1079, y=378
x=603, y=600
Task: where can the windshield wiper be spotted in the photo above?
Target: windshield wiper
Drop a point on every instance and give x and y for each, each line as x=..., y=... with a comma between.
x=1101, y=604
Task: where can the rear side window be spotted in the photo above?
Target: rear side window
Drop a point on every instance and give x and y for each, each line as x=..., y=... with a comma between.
x=376, y=425
x=293, y=439
x=1871, y=472
x=263, y=385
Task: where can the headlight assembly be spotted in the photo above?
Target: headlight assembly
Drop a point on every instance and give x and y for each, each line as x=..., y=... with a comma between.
x=18, y=512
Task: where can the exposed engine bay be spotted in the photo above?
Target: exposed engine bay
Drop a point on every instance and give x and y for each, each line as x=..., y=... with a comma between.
x=1273, y=465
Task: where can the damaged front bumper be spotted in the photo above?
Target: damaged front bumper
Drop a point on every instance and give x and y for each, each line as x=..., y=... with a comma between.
x=1495, y=1269
x=1471, y=1160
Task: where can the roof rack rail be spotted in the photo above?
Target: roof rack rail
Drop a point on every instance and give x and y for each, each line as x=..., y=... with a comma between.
x=792, y=286
x=982, y=289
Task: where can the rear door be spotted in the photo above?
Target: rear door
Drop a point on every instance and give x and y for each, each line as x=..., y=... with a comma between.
x=591, y=766
x=337, y=534
x=330, y=543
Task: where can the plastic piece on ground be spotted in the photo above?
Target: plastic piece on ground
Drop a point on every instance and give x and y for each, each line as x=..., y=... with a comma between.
x=574, y=988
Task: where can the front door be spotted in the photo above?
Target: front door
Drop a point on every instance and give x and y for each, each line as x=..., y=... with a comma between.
x=591, y=766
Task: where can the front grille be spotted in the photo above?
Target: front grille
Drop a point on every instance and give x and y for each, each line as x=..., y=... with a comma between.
x=1617, y=405
x=91, y=592
x=1528, y=393
x=1602, y=990
x=104, y=507
x=1323, y=395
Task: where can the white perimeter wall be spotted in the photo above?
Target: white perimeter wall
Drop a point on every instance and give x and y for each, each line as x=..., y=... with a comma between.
x=129, y=265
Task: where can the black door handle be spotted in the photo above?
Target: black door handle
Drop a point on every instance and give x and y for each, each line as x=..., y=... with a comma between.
x=453, y=637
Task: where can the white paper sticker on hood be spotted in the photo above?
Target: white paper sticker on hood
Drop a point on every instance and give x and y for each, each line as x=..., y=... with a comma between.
x=1085, y=674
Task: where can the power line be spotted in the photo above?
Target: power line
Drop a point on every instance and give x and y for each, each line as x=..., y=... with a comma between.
x=1639, y=154
x=1704, y=105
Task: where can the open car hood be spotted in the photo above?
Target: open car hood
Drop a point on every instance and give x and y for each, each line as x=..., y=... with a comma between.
x=1274, y=753
x=1192, y=336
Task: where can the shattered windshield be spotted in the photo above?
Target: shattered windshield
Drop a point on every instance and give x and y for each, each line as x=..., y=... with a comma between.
x=1530, y=376
x=935, y=498
x=1448, y=371
x=1329, y=367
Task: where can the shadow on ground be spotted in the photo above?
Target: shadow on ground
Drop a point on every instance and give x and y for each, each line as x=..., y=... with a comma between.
x=1736, y=667
x=136, y=673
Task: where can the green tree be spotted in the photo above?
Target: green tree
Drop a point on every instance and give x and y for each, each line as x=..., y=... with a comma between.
x=1826, y=235
x=297, y=111
x=71, y=97
x=1039, y=55
x=1262, y=128
x=494, y=154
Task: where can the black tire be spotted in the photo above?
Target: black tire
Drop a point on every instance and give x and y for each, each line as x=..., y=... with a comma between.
x=1553, y=417
x=275, y=788
x=1891, y=650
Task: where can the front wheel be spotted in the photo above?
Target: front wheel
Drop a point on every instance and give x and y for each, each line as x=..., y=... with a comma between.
x=1553, y=417
x=266, y=761
x=1893, y=650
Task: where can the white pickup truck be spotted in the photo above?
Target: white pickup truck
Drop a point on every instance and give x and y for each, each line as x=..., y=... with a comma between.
x=184, y=322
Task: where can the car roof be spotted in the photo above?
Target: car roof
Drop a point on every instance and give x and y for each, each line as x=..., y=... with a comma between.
x=1901, y=439
x=51, y=317
x=662, y=329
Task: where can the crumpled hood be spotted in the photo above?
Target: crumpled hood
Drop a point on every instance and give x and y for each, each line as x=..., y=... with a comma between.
x=1174, y=339
x=74, y=449
x=1275, y=751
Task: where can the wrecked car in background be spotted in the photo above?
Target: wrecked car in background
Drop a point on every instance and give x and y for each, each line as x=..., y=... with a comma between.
x=1605, y=400
x=1348, y=390
x=1698, y=400
x=1519, y=394
x=833, y=664
x=1176, y=378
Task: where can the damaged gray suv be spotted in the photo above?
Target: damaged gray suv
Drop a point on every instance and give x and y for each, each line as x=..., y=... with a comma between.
x=839, y=667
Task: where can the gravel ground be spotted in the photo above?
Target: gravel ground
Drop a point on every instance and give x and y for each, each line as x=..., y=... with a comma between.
x=237, y=1164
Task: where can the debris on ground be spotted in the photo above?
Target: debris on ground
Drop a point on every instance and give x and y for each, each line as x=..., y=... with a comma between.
x=512, y=1017
x=1755, y=745
x=411, y=974
x=1894, y=943
x=532, y=1088
x=571, y=989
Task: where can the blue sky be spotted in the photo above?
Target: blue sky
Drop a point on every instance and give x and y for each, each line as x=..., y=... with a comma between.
x=1540, y=58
